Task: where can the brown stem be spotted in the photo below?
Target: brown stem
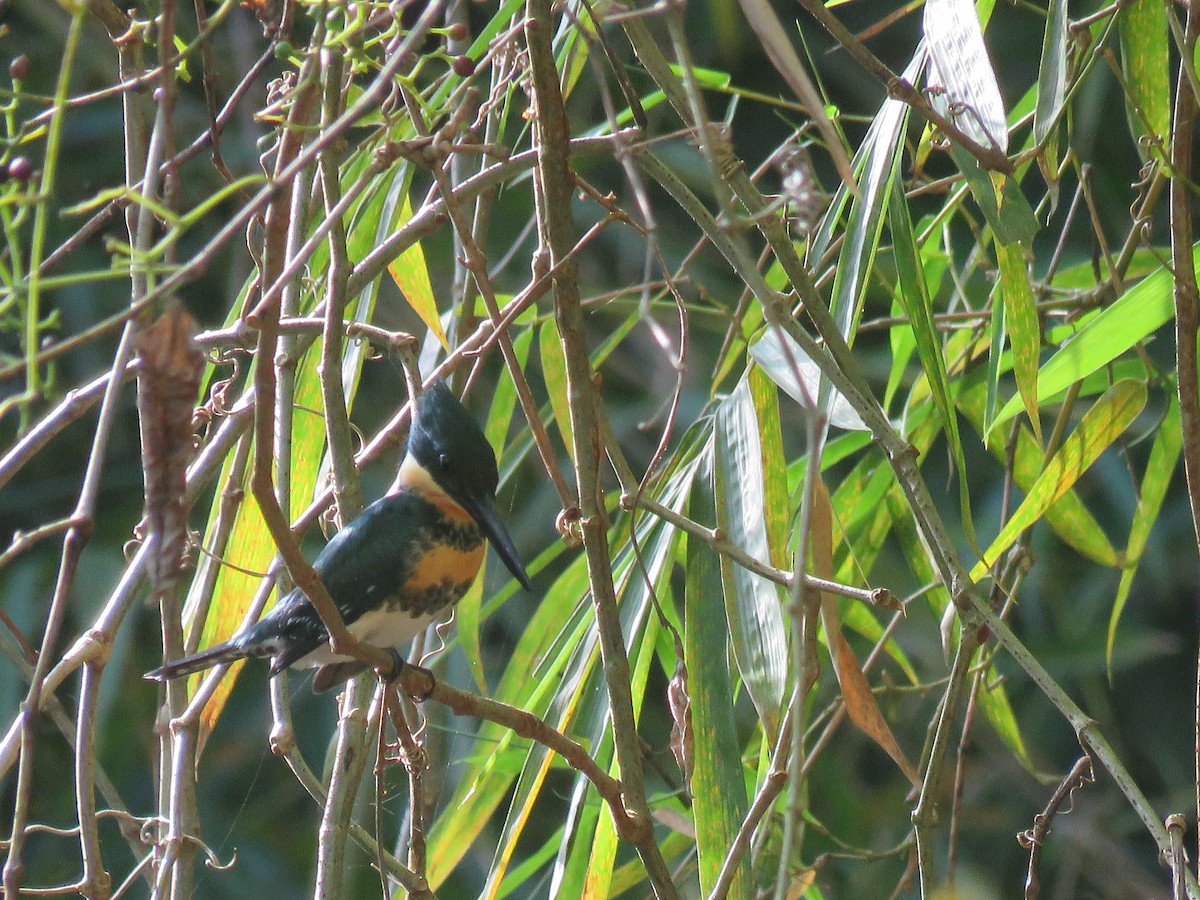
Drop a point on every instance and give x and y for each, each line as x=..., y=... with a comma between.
x=556, y=185
x=420, y=683
x=475, y=261
x=1187, y=297
x=1081, y=774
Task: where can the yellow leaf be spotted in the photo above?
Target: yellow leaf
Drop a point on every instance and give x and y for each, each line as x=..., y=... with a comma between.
x=411, y=275
x=1099, y=427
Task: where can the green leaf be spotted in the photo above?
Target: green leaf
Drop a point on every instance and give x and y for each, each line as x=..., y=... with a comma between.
x=554, y=371
x=718, y=788
x=903, y=345
x=709, y=78
x=1068, y=516
x=250, y=547
x=558, y=628
x=776, y=508
x=1082, y=276
x=1137, y=314
x=937, y=597
x=516, y=879
x=1164, y=456
x=886, y=132
x=859, y=535
x=910, y=275
x=1006, y=210
x=757, y=633
x=1052, y=74
x=586, y=857
x=602, y=854
x=995, y=361
x=876, y=174
x=1145, y=59
x=1020, y=312
x=576, y=39
x=993, y=700
x=1100, y=426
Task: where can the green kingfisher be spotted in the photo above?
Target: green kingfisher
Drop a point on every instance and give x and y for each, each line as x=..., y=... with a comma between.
x=396, y=567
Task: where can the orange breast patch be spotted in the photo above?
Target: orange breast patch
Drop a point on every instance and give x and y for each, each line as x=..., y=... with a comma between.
x=442, y=564
x=449, y=508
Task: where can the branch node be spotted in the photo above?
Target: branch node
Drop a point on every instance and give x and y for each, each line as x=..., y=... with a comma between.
x=569, y=525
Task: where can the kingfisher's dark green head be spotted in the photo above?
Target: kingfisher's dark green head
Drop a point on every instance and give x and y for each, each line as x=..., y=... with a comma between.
x=447, y=447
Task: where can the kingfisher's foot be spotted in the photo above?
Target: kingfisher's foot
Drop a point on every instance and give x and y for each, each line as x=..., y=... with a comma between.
x=419, y=685
x=398, y=665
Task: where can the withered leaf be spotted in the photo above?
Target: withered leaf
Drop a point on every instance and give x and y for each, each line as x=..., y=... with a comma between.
x=170, y=366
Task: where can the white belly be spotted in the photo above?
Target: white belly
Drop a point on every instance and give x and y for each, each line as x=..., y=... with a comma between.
x=378, y=628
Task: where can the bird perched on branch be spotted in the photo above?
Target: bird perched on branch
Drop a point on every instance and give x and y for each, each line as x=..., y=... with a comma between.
x=397, y=566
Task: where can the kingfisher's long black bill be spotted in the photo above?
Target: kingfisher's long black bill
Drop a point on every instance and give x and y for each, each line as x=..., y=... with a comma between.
x=484, y=512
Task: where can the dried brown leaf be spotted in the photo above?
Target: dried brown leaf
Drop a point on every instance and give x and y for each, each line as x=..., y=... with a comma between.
x=170, y=366
x=856, y=690
x=682, y=739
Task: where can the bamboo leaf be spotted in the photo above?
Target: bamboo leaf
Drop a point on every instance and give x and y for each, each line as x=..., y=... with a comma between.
x=718, y=788
x=1020, y=313
x=885, y=129
x=776, y=505
x=1164, y=457
x=605, y=843
x=1068, y=515
x=783, y=360
x=1145, y=59
x=910, y=275
x=1000, y=200
x=876, y=175
x=960, y=69
x=517, y=878
x=915, y=553
x=1133, y=317
x=1100, y=426
x=554, y=372
x=587, y=855
x=557, y=630
x=250, y=547
x=1052, y=74
x=856, y=690
x=411, y=275
x=757, y=634
x=995, y=360
x=993, y=700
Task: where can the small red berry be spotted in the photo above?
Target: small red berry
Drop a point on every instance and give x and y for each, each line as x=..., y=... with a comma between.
x=457, y=32
x=464, y=66
x=19, y=68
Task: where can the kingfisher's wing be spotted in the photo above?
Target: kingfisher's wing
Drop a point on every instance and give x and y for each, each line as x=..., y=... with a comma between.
x=367, y=562
x=361, y=567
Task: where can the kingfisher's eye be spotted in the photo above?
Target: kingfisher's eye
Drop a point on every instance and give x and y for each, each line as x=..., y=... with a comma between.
x=445, y=461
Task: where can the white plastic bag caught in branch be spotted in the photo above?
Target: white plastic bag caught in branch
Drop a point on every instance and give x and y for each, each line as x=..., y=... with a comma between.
x=961, y=81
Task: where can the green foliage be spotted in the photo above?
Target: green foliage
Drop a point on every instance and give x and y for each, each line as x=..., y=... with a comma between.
x=972, y=353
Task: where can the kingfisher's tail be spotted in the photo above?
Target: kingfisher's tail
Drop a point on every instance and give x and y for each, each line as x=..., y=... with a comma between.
x=198, y=662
